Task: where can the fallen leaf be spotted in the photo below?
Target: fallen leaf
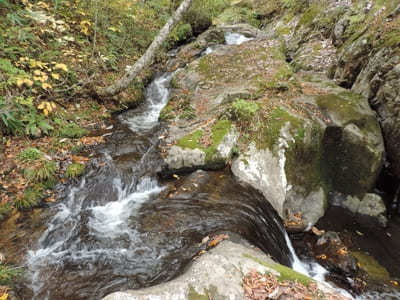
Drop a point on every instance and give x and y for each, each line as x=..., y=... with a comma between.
x=61, y=67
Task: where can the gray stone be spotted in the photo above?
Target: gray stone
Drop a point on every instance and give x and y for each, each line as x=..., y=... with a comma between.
x=351, y=203
x=179, y=158
x=312, y=206
x=372, y=205
x=217, y=273
x=261, y=170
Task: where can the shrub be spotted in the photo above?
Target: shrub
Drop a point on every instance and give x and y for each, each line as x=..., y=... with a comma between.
x=30, y=199
x=7, y=274
x=72, y=131
x=75, y=170
x=30, y=154
x=42, y=171
x=244, y=110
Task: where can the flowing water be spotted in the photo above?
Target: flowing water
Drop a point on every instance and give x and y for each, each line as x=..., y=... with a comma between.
x=122, y=228
x=117, y=229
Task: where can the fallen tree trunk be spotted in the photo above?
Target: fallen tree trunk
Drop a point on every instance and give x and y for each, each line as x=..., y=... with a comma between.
x=146, y=59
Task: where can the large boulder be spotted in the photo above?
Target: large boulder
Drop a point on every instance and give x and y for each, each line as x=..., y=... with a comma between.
x=294, y=137
x=368, y=63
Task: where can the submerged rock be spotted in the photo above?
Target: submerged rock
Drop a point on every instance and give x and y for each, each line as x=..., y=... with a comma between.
x=332, y=253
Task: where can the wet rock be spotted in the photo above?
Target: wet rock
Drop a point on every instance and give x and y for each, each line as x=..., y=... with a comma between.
x=228, y=262
x=217, y=274
x=372, y=205
x=332, y=253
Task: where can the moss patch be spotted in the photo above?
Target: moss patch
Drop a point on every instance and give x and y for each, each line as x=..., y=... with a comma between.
x=275, y=121
x=371, y=266
x=194, y=295
x=193, y=141
x=303, y=160
x=285, y=272
x=344, y=105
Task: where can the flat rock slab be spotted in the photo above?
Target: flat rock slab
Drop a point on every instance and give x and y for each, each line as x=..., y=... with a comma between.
x=218, y=273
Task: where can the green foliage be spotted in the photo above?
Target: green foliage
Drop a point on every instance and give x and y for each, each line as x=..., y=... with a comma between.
x=30, y=199
x=181, y=33
x=244, y=110
x=72, y=131
x=41, y=171
x=9, y=123
x=35, y=123
x=5, y=209
x=8, y=274
x=74, y=170
x=202, y=12
x=235, y=15
x=30, y=154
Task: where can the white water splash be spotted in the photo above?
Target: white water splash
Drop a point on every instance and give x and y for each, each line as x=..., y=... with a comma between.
x=157, y=94
x=232, y=38
x=312, y=269
x=111, y=219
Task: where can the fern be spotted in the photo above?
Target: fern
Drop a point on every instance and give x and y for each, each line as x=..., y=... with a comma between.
x=42, y=171
x=75, y=170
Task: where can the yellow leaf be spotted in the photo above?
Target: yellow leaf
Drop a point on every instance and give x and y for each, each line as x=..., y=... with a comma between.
x=4, y=296
x=46, y=85
x=55, y=76
x=20, y=82
x=28, y=82
x=37, y=72
x=41, y=105
x=53, y=105
x=61, y=67
x=49, y=107
x=46, y=112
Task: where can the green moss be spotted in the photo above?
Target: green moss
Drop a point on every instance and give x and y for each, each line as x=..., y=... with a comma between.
x=272, y=127
x=309, y=15
x=286, y=274
x=191, y=141
x=303, y=159
x=345, y=104
x=235, y=15
x=193, y=295
x=370, y=265
x=167, y=113
x=74, y=170
x=283, y=30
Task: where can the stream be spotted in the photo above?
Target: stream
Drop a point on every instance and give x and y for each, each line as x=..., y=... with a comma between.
x=121, y=227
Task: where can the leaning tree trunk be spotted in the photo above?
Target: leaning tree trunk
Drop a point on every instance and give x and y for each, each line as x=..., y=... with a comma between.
x=144, y=61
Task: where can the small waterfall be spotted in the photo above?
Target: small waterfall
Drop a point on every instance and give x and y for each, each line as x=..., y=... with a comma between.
x=232, y=38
